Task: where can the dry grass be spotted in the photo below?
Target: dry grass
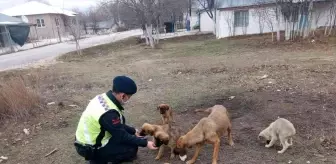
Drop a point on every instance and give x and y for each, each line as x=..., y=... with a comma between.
x=17, y=101
x=189, y=73
x=101, y=50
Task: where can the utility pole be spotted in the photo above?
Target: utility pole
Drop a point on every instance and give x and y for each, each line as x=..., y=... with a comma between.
x=118, y=10
x=190, y=8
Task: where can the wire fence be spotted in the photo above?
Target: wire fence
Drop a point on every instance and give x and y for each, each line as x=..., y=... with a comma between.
x=6, y=45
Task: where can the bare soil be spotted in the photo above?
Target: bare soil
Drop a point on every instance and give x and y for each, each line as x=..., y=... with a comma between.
x=189, y=73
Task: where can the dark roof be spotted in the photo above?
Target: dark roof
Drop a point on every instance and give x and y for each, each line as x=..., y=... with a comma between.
x=8, y=20
x=242, y=3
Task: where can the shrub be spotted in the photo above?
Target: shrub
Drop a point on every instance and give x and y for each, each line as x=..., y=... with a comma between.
x=17, y=100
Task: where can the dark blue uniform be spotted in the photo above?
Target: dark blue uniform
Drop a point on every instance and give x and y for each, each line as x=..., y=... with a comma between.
x=123, y=145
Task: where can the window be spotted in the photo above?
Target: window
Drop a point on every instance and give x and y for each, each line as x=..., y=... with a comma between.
x=57, y=22
x=241, y=18
x=40, y=22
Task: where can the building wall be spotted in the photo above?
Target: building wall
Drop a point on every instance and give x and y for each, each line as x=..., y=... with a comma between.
x=207, y=24
x=225, y=21
x=320, y=15
x=194, y=20
x=61, y=29
x=226, y=26
x=50, y=30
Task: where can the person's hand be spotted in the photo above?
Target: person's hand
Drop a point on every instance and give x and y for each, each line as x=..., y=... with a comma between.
x=151, y=145
x=137, y=133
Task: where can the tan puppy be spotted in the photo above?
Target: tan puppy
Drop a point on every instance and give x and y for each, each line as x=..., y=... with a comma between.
x=166, y=134
x=166, y=113
x=282, y=128
x=208, y=130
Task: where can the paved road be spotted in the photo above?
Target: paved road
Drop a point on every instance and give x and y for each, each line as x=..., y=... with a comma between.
x=24, y=58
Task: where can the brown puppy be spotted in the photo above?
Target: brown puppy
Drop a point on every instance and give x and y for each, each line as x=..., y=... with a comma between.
x=208, y=130
x=166, y=134
x=166, y=113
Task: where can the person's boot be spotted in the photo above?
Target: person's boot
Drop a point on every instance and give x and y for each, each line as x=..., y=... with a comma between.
x=94, y=162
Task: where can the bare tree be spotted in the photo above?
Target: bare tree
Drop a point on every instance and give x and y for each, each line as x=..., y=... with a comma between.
x=72, y=24
x=209, y=6
x=150, y=14
x=297, y=16
x=258, y=14
x=93, y=18
x=269, y=16
x=317, y=14
x=265, y=16
x=331, y=19
x=144, y=10
x=278, y=18
x=112, y=9
x=83, y=19
x=306, y=31
x=230, y=23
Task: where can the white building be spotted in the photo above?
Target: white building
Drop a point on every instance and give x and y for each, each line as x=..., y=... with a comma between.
x=245, y=17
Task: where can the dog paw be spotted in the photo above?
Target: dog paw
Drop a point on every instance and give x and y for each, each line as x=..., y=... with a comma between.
x=267, y=146
x=172, y=156
x=280, y=152
x=231, y=143
x=190, y=162
x=157, y=158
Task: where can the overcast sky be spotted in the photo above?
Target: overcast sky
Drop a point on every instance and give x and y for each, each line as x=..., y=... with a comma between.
x=68, y=4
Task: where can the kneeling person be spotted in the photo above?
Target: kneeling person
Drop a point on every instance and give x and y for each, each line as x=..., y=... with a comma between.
x=102, y=135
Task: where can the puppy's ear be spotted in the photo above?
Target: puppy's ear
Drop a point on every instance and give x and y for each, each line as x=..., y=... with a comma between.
x=166, y=141
x=151, y=132
x=176, y=151
x=142, y=133
x=162, y=136
x=147, y=129
x=166, y=107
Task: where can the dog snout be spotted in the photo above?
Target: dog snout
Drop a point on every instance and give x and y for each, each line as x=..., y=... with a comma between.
x=166, y=142
x=142, y=133
x=158, y=142
x=175, y=151
x=179, y=151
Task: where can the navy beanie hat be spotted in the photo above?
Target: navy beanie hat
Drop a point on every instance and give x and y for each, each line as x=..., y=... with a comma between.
x=124, y=84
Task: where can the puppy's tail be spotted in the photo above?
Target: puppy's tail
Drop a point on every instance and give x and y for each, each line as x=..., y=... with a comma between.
x=208, y=110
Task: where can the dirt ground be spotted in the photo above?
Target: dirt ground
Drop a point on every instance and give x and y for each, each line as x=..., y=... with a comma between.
x=189, y=73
